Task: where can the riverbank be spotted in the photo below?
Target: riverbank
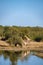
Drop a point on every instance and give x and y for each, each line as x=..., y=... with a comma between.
x=32, y=46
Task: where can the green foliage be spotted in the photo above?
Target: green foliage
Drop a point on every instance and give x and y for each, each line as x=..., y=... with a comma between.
x=13, y=34
x=1, y=30
x=38, y=39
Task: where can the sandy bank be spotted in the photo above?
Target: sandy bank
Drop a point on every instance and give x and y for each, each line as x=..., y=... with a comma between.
x=35, y=46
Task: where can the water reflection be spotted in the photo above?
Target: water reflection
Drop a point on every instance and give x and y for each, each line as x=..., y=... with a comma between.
x=15, y=56
x=38, y=54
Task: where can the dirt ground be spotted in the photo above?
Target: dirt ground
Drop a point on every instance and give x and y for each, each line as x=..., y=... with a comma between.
x=37, y=46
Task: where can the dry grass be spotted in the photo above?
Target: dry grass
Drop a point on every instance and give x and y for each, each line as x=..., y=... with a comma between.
x=37, y=46
x=3, y=43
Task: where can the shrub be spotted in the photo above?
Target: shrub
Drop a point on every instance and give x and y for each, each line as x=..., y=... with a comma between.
x=38, y=38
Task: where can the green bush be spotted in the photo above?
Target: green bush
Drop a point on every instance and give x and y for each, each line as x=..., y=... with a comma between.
x=13, y=34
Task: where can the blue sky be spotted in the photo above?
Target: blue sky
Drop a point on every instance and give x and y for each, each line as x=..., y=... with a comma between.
x=21, y=12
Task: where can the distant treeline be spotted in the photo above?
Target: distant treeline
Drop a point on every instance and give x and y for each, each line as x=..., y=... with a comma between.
x=13, y=34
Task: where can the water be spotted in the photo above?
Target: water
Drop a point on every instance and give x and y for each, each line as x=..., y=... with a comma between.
x=21, y=58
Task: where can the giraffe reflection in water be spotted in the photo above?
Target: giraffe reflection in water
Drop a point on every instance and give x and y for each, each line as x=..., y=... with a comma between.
x=21, y=55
